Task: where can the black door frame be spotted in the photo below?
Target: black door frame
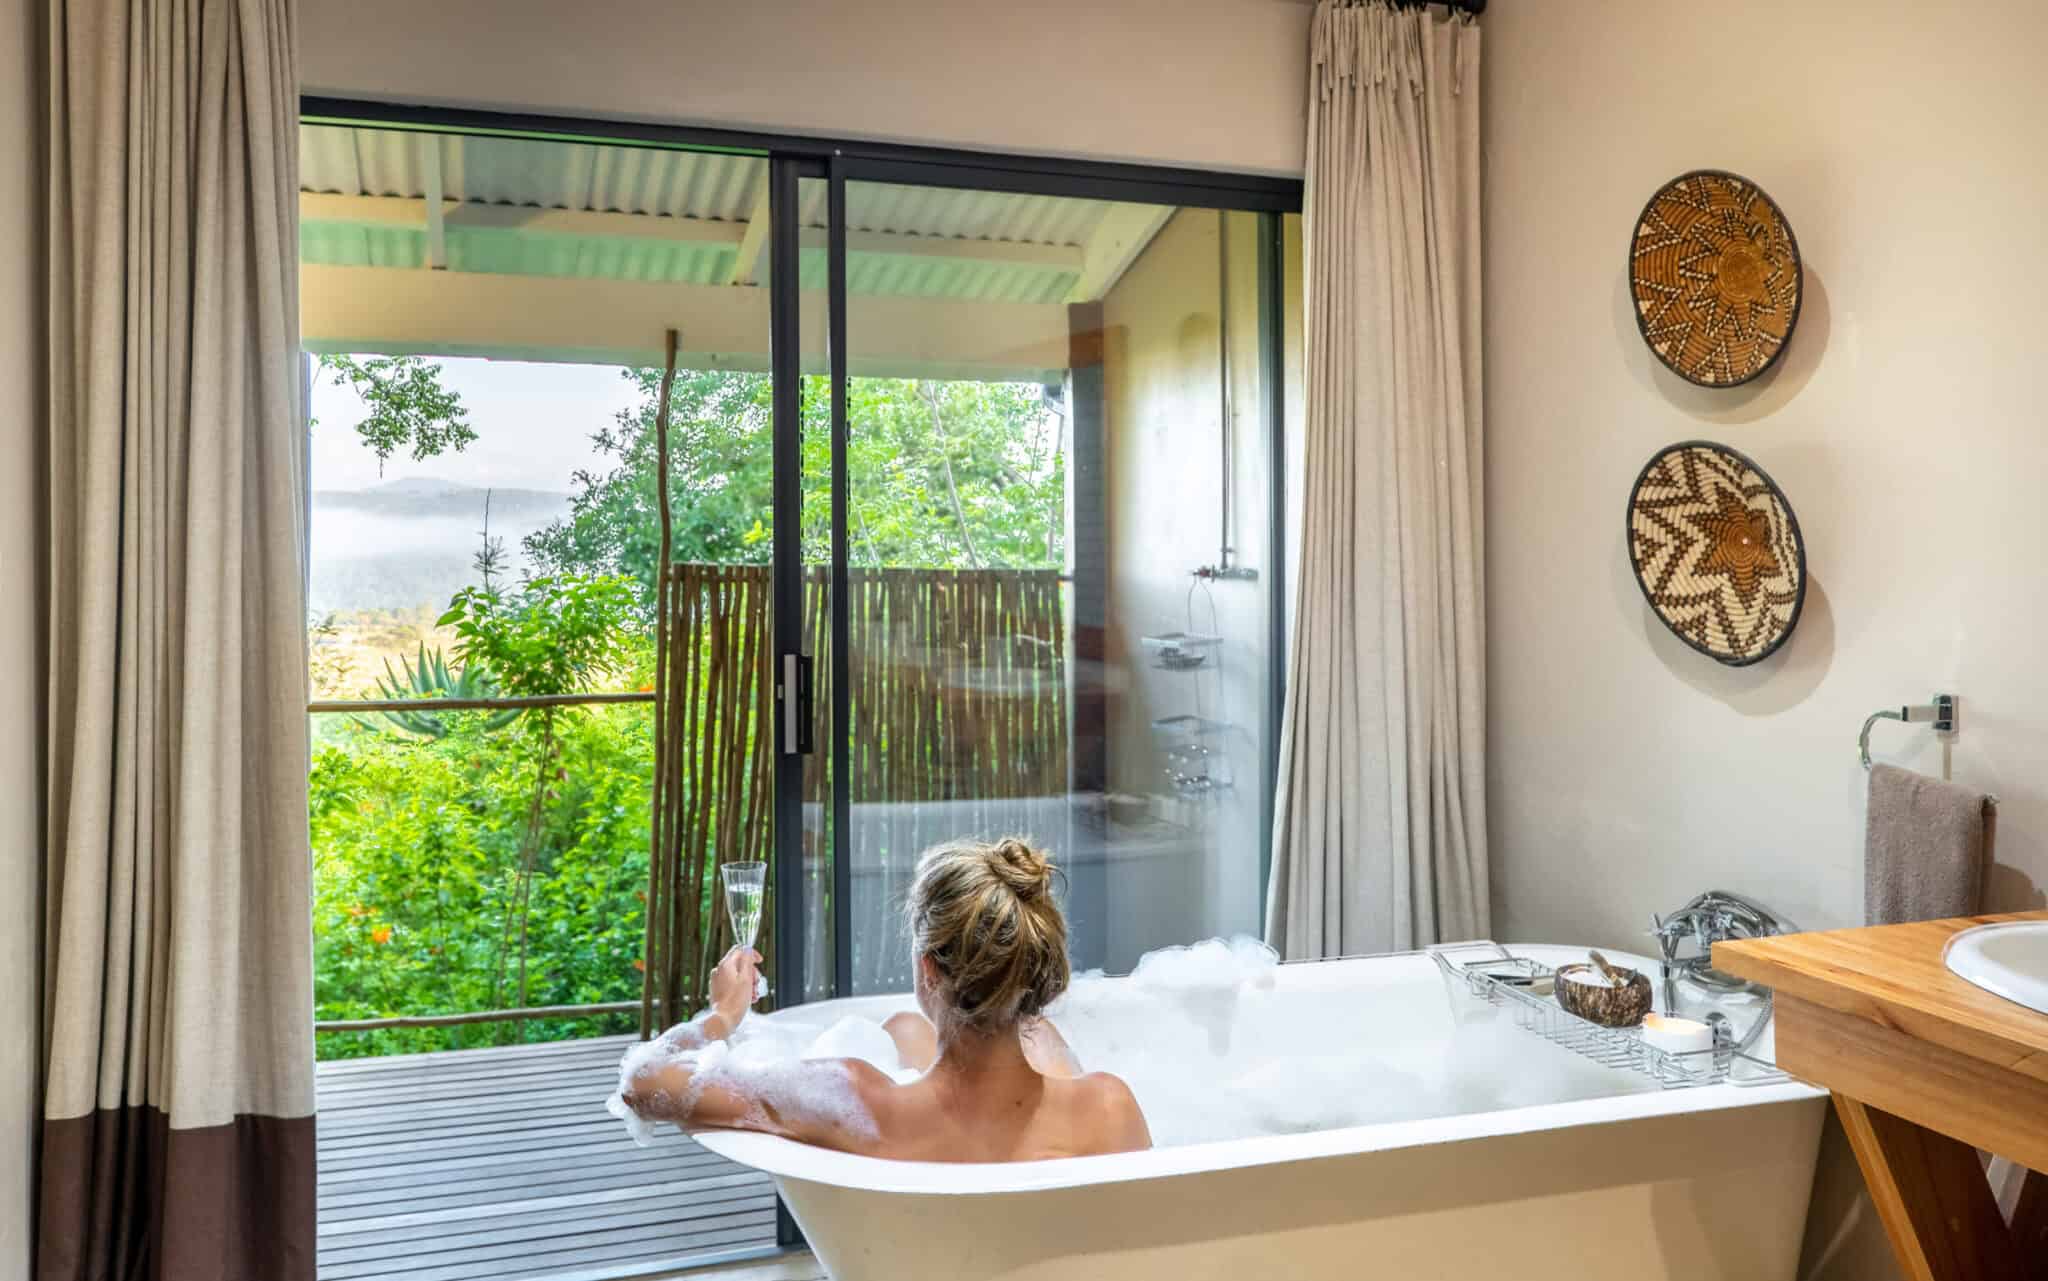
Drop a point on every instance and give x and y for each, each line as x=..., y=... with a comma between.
x=791, y=159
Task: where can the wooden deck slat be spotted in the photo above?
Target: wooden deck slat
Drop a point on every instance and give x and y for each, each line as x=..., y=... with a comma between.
x=569, y=1147
x=440, y=1218
x=643, y=1202
x=537, y=1261
x=552, y=1095
x=475, y=1128
x=504, y=1054
x=530, y=1261
x=370, y=1149
x=679, y=1210
x=502, y=1163
x=352, y=1091
x=485, y=1189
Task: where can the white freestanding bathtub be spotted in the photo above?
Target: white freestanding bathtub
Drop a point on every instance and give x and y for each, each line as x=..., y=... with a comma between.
x=1533, y=1167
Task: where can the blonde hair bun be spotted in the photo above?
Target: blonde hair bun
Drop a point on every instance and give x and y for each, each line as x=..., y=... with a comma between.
x=984, y=914
x=1027, y=872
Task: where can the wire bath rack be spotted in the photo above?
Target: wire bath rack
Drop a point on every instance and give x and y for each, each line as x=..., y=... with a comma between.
x=1495, y=976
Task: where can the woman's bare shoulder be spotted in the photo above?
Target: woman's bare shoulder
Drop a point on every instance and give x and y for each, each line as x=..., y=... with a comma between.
x=1115, y=1117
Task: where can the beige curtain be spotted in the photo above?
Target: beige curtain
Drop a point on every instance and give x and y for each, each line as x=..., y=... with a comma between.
x=177, y=1138
x=1379, y=839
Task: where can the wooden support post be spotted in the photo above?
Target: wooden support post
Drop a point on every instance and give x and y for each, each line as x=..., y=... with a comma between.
x=1932, y=1197
x=437, y=223
x=2030, y=1226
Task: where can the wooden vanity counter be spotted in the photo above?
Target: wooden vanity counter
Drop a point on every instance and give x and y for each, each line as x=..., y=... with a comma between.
x=1925, y=1068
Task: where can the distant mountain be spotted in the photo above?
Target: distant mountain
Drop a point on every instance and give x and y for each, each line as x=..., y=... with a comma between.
x=413, y=541
x=420, y=496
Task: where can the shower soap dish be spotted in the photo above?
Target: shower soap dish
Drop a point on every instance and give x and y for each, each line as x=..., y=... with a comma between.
x=1496, y=977
x=1180, y=651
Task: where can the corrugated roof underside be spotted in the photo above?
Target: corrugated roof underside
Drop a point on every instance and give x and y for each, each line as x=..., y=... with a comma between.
x=656, y=183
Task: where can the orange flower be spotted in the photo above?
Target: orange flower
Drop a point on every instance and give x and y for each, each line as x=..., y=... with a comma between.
x=640, y=965
x=381, y=935
x=358, y=911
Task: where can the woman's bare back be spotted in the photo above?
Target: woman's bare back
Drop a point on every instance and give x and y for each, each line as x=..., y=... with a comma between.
x=1000, y=1108
x=1014, y=1096
x=936, y=1118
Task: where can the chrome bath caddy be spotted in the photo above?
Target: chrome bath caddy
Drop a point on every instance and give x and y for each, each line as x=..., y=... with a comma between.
x=1494, y=976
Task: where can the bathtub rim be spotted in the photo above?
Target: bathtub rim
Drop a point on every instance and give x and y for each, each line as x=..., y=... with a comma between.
x=786, y=1158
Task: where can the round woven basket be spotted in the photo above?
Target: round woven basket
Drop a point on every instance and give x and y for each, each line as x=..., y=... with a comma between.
x=1715, y=273
x=1716, y=549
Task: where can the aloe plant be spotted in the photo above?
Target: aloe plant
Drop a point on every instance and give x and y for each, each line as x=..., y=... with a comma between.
x=426, y=678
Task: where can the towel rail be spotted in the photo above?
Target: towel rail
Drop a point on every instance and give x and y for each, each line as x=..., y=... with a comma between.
x=1941, y=713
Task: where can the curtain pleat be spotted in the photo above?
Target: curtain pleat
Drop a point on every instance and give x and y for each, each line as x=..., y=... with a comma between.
x=177, y=1117
x=1379, y=840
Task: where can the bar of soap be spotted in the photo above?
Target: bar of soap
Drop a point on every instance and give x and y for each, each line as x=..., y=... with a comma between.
x=1675, y=1035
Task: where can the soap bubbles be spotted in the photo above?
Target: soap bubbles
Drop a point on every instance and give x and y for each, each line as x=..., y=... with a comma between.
x=1215, y=1045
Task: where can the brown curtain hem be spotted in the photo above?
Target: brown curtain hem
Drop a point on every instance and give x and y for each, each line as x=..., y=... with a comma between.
x=127, y=1198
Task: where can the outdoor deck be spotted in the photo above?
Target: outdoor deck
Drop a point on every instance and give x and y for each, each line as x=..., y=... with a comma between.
x=503, y=1164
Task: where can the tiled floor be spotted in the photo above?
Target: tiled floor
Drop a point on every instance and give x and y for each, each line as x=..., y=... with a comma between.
x=503, y=1164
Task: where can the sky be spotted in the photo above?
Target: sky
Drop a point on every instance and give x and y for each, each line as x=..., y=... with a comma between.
x=533, y=425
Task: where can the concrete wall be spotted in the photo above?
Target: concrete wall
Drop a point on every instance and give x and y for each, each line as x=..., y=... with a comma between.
x=1905, y=425
x=21, y=403
x=1212, y=83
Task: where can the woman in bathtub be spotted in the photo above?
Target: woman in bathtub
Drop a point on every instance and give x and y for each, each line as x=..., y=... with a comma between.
x=999, y=1082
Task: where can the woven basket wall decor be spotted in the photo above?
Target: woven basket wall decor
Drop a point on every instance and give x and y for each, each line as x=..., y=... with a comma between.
x=1716, y=277
x=1716, y=549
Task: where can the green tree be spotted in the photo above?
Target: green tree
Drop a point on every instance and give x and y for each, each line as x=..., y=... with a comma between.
x=559, y=634
x=408, y=405
x=940, y=474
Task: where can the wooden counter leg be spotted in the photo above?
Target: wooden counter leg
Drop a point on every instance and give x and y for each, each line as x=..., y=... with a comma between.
x=2030, y=1226
x=1932, y=1196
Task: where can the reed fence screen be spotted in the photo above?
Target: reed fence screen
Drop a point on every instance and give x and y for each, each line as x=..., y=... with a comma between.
x=958, y=710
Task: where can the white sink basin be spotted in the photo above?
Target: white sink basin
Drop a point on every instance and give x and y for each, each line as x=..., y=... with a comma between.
x=2009, y=959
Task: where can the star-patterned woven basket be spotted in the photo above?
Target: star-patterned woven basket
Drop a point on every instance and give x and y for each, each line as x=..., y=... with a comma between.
x=1716, y=549
x=1715, y=273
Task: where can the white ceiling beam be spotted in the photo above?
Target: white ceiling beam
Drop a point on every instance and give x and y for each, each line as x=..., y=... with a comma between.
x=395, y=311
x=436, y=211
x=411, y=212
x=756, y=237
x=1117, y=241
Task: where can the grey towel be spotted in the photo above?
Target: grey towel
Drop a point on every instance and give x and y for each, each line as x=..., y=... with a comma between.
x=1923, y=848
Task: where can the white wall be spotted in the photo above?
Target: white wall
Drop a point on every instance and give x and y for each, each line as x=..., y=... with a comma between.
x=1211, y=83
x=1906, y=425
x=21, y=381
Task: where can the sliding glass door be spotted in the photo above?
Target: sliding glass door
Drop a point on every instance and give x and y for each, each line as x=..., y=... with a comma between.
x=1047, y=489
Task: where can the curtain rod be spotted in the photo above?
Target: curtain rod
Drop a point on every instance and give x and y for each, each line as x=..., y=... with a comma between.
x=1473, y=7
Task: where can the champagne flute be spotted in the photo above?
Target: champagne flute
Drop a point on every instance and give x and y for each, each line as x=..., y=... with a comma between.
x=746, y=892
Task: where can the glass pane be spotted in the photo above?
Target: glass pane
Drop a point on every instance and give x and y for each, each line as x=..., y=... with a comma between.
x=1059, y=493
x=486, y=321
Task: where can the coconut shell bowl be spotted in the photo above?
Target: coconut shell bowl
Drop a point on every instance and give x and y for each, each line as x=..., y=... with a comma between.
x=1596, y=996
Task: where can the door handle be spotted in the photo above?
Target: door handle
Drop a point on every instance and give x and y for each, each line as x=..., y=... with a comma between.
x=797, y=717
